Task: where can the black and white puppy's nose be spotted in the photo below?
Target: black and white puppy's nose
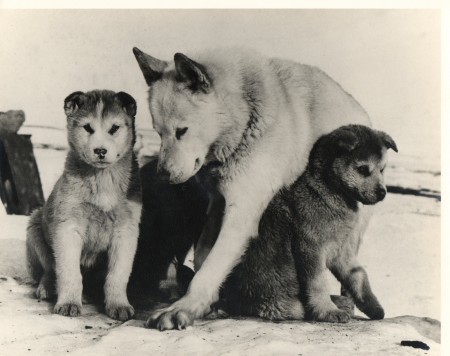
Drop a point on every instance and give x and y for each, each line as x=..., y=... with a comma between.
x=100, y=152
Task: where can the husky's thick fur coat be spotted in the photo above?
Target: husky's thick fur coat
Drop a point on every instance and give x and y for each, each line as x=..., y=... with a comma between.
x=92, y=215
x=247, y=123
x=311, y=226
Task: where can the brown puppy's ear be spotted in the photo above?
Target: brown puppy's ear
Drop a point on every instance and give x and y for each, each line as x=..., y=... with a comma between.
x=388, y=141
x=127, y=102
x=193, y=73
x=346, y=140
x=73, y=102
x=152, y=68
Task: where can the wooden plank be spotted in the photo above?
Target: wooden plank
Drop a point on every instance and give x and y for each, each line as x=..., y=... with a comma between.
x=19, y=175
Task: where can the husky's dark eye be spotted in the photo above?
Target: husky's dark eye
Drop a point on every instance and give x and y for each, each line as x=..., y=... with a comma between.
x=88, y=129
x=180, y=132
x=113, y=129
x=364, y=171
x=382, y=169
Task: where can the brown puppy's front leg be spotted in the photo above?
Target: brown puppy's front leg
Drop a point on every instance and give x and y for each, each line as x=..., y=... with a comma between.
x=67, y=246
x=311, y=272
x=354, y=279
x=120, y=254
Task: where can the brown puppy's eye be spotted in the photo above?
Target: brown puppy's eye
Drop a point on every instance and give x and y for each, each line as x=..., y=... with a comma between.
x=364, y=171
x=88, y=129
x=180, y=132
x=113, y=129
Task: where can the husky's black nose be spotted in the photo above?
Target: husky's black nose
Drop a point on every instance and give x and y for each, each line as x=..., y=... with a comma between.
x=163, y=174
x=100, y=152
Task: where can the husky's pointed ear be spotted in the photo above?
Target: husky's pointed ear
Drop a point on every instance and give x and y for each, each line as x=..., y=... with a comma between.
x=73, y=102
x=345, y=139
x=127, y=102
x=388, y=141
x=152, y=68
x=193, y=73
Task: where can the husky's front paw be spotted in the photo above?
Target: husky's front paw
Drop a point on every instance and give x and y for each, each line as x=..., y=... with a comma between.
x=332, y=316
x=120, y=312
x=68, y=309
x=181, y=313
x=167, y=319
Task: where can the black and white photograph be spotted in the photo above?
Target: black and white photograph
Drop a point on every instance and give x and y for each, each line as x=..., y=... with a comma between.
x=220, y=180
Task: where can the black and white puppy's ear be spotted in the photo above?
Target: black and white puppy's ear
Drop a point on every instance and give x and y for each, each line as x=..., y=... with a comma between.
x=192, y=73
x=73, y=102
x=127, y=102
x=151, y=67
x=387, y=140
x=345, y=140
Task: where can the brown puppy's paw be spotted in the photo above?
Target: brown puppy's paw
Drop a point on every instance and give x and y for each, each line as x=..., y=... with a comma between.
x=344, y=303
x=167, y=319
x=68, y=309
x=370, y=306
x=374, y=312
x=332, y=316
x=120, y=312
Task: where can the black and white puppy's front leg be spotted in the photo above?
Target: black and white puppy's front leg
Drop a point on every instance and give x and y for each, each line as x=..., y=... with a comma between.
x=120, y=261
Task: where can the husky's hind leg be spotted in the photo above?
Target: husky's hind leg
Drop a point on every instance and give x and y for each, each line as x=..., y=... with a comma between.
x=39, y=258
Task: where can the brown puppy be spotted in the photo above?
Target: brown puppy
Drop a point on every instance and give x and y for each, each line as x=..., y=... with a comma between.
x=94, y=209
x=312, y=226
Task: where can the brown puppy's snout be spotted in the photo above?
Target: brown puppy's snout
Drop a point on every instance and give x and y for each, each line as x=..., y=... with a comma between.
x=100, y=152
x=381, y=192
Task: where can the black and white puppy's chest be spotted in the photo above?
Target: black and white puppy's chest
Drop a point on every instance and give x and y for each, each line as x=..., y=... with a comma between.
x=102, y=227
x=98, y=235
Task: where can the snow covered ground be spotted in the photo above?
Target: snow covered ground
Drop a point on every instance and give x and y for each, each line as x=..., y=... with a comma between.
x=401, y=253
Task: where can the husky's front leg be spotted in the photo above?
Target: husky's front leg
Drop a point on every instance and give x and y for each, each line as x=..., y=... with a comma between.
x=245, y=199
x=67, y=246
x=120, y=261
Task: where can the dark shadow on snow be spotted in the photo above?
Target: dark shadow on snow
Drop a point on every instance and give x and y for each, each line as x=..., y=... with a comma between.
x=426, y=193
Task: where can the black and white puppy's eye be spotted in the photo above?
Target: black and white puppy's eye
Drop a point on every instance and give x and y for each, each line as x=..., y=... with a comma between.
x=180, y=132
x=114, y=129
x=88, y=129
x=364, y=171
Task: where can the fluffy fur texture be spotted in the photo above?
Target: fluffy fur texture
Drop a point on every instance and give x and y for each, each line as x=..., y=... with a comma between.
x=92, y=215
x=312, y=226
x=246, y=124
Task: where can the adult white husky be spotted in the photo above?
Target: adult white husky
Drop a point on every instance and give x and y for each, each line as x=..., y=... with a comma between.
x=250, y=122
